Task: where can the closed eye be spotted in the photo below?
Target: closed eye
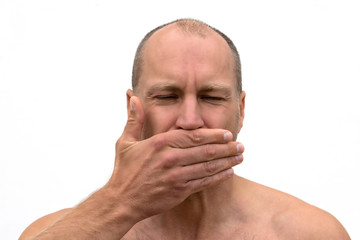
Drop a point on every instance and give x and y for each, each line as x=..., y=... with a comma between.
x=165, y=97
x=212, y=98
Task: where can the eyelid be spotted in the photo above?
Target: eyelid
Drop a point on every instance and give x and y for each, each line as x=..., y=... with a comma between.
x=217, y=98
x=165, y=96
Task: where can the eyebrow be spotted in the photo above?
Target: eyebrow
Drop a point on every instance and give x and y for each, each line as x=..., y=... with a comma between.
x=161, y=87
x=212, y=87
x=216, y=88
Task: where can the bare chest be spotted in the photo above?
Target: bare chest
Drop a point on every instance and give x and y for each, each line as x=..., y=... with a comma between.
x=241, y=233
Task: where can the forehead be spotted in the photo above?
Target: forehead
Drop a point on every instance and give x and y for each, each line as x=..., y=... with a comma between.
x=173, y=55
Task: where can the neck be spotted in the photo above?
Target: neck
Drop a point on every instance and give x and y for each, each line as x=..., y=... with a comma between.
x=202, y=211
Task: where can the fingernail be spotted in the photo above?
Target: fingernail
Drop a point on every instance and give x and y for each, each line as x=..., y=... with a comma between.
x=240, y=148
x=239, y=158
x=230, y=172
x=228, y=136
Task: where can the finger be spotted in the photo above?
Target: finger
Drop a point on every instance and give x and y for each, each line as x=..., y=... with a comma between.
x=186, y=139
x=200, y=184
x=134, y=124
x=209, y=168
x=204, y=153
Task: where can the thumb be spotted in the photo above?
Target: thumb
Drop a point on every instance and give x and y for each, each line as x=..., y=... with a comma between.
x=135, y=122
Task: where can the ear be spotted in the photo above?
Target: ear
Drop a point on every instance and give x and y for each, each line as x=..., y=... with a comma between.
x=129, y=94
x=242, y=109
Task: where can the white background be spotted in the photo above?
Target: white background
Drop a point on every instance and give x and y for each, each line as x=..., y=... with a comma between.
x=65, y=67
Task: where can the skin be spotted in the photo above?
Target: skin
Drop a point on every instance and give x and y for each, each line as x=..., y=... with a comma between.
x=182, y=87
x=172, y=177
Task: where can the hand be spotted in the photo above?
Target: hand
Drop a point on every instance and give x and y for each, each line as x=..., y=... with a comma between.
x=156, y=174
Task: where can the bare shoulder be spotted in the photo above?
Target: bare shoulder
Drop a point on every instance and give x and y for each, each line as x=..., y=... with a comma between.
x=292, y=218
x=42, y=223
x=305, y=221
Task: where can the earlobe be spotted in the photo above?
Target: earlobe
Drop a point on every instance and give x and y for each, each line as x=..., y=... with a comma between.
x=129, y=94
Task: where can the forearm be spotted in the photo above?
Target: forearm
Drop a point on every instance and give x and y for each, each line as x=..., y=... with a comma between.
x=98, y=217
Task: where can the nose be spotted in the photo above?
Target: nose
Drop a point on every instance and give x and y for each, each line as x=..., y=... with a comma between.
x=189, y=117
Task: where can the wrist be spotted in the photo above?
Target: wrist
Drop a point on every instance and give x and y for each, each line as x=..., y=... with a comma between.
x=115, y=214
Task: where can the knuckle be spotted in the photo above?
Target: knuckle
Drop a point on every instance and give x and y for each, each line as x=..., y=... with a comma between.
x=206, y=181
x=159, y=141
x=209, y=151
x=118, y=143
x=180, y=186
x=196, y=136
x=171, y=178
x=174, y=177
x=170, y=160
x=210, y=166
x=176, y=184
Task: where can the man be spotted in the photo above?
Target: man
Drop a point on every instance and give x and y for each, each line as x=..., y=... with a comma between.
x=173, y=176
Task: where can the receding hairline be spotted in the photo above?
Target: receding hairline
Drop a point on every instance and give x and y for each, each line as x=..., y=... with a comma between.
x=191, y=27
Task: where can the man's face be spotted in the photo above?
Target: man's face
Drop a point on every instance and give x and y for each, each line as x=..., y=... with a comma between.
x=188, y=82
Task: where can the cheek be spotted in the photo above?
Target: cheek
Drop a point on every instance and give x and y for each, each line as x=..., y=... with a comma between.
x=235, y=128
x=225, y=118
x=157, y=121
